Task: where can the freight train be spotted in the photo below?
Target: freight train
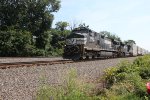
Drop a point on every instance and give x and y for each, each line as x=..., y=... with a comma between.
x=84, y=43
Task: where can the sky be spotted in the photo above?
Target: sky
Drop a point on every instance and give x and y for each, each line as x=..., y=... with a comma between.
x=129, y=19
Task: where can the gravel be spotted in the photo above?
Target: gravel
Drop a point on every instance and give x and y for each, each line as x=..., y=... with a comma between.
x=27, y=59
x=22, y=83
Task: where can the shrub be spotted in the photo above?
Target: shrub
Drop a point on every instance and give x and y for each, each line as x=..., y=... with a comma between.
x=128, y=80
x=14, y=42
x=145, y=73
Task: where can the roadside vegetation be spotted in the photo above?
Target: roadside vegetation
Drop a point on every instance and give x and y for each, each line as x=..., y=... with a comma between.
x=72, y=89
x=126, y=81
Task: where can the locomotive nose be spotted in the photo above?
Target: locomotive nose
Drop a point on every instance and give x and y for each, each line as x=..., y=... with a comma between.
x=71, y=50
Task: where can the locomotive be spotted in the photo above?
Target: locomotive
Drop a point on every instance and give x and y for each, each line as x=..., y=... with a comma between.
x=84, y=43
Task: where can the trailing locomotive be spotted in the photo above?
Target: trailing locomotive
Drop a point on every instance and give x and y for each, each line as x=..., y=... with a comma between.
x=84, y=43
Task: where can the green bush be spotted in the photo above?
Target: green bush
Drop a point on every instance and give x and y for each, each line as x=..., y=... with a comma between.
x=128, y=80
x=15, y=43
x=116, y=74
x=40, y=52
x=145, y=73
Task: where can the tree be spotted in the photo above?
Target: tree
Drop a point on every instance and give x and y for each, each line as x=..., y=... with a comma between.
x=110, y=35
x=58, y=38
x=25, y=13
x=129, y=42
x=58, y=35
x=61, y=25
x=34, y=16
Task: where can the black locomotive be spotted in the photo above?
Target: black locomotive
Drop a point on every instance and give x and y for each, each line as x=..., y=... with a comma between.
x=84, y=43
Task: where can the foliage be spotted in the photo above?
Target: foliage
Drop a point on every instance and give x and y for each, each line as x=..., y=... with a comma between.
x=128, y=80
x=28, y=16
x=15, y=42
x=72, y=90
x=123, y=82
x=58, y=37
x=61, y=25
x=32, y=15
x=25, y=28
x=58, y=41
x=43, y=41
x=129, y=42
x=110, y=35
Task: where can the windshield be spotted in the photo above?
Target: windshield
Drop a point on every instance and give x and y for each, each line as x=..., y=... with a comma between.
x=73, y=35
x=81, y=30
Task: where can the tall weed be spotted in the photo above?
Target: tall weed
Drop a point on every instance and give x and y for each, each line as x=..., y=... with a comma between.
x=73, y=89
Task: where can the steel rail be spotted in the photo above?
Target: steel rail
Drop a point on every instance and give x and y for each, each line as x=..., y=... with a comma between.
x=32, y=63
x=39, y=63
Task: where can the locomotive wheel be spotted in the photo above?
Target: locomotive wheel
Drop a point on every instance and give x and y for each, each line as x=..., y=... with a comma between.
x=87, y=57
x=82, y=58
x=93, y=57
x=124, y=54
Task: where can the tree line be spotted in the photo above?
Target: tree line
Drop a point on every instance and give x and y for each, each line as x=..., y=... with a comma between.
x=116, y=37
x=26, y=28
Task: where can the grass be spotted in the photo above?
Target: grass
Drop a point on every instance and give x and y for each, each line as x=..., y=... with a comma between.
x=73, y=89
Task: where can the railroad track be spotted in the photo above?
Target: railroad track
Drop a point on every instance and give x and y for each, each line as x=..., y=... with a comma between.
x=29, y=64
x=38, y=63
